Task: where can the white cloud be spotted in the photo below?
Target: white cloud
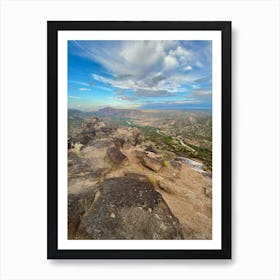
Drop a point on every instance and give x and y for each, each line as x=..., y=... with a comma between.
x=74, y=97
x=85, y=89
x=198, y=64
x=146, y=87
x=188, y=68
x=147, y=68
x=170, y=62
x=202, y=92
x=142, y=56
x=181, y=54
x=79, y=83
x=200, y=96
x=195, y=86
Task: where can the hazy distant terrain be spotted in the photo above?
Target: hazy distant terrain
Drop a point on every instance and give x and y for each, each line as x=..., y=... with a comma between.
x=139, y=174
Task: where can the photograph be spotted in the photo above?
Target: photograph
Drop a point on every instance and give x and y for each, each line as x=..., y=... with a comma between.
x=140, y=139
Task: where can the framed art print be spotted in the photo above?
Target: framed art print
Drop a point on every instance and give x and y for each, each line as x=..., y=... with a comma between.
x=139, y=140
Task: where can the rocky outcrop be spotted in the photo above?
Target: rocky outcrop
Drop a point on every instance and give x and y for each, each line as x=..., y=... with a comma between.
x=119, y=142
x=151, y=149
x=136, y=176
x=152, y=163
x=86, y=165
x=78, y=206
x=123, y=208
x=89, y=129
x=82, y=174
x=175, y=164
x=116, y=157
x=166, y=186
x=137, y=138
x=123, y=186
x=93, y=129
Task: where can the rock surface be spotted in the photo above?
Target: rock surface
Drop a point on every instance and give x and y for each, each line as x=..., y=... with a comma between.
x=78, y=206
x=166, y=186
x=152, y=164
x=116, y=157
x=122, y=208
x=123, y=186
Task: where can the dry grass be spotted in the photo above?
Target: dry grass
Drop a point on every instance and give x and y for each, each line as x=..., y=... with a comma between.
x=77, y=149
x=152, y=181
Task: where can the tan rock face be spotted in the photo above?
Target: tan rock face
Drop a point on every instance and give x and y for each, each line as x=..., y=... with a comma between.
x=151, y=163
x=166, y=186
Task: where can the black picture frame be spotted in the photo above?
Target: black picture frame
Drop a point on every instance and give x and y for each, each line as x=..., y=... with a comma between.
x=52, y=193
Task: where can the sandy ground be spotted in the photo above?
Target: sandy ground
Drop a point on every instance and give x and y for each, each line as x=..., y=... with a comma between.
x=188, y=193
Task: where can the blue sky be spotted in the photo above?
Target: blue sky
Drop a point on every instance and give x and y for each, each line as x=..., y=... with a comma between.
x=139, y=74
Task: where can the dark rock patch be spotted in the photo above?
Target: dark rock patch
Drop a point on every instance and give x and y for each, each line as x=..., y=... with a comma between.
x=175, y=164
x=137, y=176
x=119, y=142
x=151, y=149
x=89, y=129
x=77, y=165
x=100, y=143
x=106, y=130
x=78, y=205
x=82, y=138
x=116, y=156
x=127, y=209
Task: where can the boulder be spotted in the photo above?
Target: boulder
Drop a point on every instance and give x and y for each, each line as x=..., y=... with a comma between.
x=137, y=176
x=125, y=208
x=119, y=142
x=175, y=164
x=116, y=156
x=86, y=135
x=89, y=129
x=139, y=154
x=152, y=163
x=96, y=129
x=166, y=186
x=78, y=205
x=77, y=165
x=105, y=131
x=100, y=143
x=151, y=149
x=82, y=174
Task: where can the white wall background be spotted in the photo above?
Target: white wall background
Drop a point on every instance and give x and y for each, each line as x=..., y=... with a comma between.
x=255, y=139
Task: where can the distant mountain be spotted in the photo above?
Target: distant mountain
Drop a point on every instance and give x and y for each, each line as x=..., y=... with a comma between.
x=76, y=117
x=109, y=111
x=74, y=113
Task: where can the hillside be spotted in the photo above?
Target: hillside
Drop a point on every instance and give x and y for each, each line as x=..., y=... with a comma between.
x=131, y=177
